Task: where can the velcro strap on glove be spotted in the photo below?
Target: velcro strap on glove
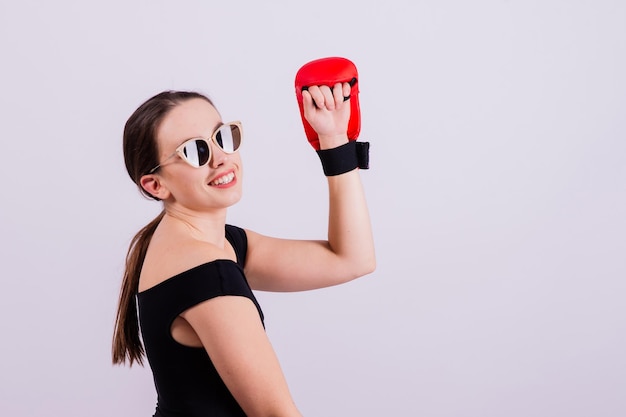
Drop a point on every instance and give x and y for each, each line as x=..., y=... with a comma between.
x=345, y=158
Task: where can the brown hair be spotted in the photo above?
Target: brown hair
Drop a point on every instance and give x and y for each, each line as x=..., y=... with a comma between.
x=140, y=156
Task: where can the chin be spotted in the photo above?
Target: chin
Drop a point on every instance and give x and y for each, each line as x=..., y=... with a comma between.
x=234, y=198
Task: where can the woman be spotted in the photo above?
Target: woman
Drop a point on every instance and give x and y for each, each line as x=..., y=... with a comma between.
x=191, y=275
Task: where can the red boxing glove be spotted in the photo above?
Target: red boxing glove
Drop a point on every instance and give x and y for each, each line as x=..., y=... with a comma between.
x=330, y=71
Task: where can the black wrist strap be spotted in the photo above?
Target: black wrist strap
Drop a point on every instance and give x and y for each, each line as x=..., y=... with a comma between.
x=345, y=158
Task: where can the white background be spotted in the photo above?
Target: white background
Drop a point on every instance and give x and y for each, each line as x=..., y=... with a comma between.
x=497, y=192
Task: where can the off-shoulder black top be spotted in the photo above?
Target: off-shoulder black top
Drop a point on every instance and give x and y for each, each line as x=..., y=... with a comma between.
x=186, y=381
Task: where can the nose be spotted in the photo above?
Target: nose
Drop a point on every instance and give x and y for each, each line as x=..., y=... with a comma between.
x=218, y=156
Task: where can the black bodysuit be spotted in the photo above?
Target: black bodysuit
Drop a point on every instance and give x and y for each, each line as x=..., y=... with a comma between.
x=186, y=381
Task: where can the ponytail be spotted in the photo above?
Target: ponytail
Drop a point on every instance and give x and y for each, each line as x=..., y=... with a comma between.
x=127, y=343
x=141, y=155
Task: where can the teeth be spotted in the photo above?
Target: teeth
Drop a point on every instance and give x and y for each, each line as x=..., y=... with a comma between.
x=223, y=180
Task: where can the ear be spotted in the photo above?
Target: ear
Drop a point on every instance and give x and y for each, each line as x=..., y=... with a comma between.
x=151, y=183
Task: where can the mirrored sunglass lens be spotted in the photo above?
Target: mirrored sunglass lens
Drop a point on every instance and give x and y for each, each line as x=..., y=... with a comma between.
x=228, y=137
x=196, y=152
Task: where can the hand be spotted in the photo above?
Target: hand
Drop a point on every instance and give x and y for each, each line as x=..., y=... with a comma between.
x=328, y=113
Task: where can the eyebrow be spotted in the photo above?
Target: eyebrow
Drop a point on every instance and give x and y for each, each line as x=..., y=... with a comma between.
x=215, y=129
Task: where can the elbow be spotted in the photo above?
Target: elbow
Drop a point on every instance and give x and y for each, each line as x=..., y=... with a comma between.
x=352, y=267
x=370, y=265
x=364, y=266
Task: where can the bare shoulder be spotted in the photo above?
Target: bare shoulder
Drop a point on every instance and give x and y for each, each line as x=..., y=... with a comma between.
x=169, y=255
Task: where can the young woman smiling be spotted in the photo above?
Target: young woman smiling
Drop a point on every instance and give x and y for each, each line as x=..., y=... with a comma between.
x=189, y=276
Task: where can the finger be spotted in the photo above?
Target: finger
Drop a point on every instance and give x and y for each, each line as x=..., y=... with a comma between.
x=308, y=105
x=347, y=90
x=329, y=99
x=317, y=96
x=338, y=95
x=307, y=100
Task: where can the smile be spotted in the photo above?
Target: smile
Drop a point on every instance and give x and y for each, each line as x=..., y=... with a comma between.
x=223, y=179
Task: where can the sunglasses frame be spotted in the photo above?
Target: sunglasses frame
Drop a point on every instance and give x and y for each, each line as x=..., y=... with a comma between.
x=212, y=138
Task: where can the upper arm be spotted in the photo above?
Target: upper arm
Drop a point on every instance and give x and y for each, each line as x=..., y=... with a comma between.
x=274, y=264
x=233, y=336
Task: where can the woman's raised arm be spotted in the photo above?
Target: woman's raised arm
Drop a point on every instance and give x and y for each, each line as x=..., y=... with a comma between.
x=294, y=265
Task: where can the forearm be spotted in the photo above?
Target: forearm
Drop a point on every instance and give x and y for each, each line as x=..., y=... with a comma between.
x=349, y=228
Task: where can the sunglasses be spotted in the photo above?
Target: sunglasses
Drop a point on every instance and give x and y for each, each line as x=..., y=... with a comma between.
x=197, y=151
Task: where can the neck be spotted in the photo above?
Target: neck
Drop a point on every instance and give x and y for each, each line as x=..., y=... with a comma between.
x=203, y=226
